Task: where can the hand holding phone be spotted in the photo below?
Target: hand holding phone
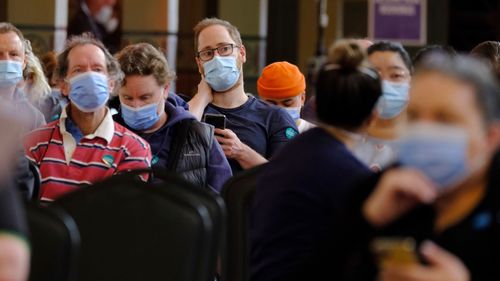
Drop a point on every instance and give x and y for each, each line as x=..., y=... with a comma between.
x=395, y=251
x=439, y=263
x=216, y=120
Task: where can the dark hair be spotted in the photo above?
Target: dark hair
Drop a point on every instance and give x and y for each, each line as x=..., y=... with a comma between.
x=112, y=65
x=346, y=89
x=471, y=71
x=490, y=51
x=144, y=59
x=388, y=46
x=432, y=49
x=49, y=63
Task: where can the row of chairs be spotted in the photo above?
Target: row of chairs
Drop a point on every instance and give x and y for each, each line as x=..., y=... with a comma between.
x=125, y=229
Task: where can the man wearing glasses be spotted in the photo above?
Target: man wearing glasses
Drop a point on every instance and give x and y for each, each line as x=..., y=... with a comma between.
x=254, y=129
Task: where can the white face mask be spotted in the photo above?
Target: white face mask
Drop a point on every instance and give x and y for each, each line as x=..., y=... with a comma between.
x=104, y=14
x=439, y=151
x=294, y=112
x=221, y=73
x=11, y=73
x=393, y=100
x=105, y=18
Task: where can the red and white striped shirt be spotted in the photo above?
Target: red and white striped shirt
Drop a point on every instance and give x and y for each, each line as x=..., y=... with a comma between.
x=66, y=165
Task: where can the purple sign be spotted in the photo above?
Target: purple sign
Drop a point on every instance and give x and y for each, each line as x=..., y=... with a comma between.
x=398, y=20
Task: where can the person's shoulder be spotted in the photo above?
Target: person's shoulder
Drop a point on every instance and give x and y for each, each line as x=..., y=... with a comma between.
x=117, y=117
x=261, y=105
x=44, y=129
x=305, y=126
x=26, y=106
x=311, y=139
x=266, y=109
x=199, y=128
x=31, y=112
x=178, y=99
x=318, y=143
x=128, y=138
x=41, y=134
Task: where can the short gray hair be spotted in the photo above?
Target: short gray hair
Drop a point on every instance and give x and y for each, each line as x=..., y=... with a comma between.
x=112, y=65
x=6, y=27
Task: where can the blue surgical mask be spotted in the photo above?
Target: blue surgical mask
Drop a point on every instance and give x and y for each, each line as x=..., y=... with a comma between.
x=393, y=100
x=140, y=118
x=89, y=91
x=294, y=112
x=439, y=151
x=11, y=72
x=221, y=73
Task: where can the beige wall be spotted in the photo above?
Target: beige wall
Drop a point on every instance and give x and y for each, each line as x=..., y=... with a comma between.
x=31, y=12
x=152, y=17
x=242, y=13
x=41, y=14
x=144, y=15
x=245, y=15
x=190, y=13
x=308, y=32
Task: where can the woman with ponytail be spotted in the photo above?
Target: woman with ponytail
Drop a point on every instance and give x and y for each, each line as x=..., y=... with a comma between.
x=299, y=208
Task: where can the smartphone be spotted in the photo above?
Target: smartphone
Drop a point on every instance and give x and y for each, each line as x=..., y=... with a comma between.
x=216, y=120
x=395, y=251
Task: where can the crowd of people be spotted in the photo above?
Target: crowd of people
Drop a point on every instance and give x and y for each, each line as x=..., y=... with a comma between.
x=399, y=149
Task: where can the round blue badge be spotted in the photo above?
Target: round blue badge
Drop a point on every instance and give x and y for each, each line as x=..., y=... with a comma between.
x=154, y=160
x=290, y=133
x=482, y=220
x=108, y=160
x=54, y=117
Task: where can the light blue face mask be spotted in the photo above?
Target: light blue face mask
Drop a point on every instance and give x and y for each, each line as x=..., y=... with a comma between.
x=294, y=112
x=11, y=72
x=140, y=118
x=89, y=91
x=393, y=100
x=221, y=73
x=439, y=151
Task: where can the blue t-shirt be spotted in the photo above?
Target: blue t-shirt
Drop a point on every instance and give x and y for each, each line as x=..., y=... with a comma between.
x=294, y=216
x=263, y=127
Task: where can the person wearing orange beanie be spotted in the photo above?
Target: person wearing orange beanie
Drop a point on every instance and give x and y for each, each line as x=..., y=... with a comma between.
x=282, y=84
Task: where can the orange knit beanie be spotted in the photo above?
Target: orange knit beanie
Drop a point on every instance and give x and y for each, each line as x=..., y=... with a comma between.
x=281, y=80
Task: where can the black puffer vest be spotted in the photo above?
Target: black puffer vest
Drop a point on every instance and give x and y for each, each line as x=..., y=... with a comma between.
x=190, y=150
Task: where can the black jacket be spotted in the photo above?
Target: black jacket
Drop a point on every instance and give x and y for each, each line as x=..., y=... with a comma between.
x=185, y=146
x=475, y=240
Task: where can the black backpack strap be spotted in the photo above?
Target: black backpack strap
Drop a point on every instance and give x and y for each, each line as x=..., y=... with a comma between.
x=180, y=134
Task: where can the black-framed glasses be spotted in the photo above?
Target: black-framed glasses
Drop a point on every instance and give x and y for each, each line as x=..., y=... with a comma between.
x=223, y=51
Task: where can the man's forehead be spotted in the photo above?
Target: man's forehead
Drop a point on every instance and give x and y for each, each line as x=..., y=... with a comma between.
x=11, y=37
x=213, y=36
x=142, y=87
x=86, y=52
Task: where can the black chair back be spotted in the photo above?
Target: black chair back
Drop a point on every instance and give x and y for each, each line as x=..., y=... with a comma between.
x=37, y=180
x=238, y=194
x=55, y=242
x=213, y=201
x=131, y=230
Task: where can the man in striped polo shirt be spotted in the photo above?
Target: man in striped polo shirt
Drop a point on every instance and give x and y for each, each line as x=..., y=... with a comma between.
x=85, y=145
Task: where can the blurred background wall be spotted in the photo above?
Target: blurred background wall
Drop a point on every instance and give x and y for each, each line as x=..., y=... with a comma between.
x=272, y=30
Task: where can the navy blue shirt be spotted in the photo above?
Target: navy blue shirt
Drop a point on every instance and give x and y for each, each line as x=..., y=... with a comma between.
x=263, y=127
x=299, y=197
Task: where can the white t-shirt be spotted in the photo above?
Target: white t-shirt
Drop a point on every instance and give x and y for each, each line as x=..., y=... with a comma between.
x=377, y=154
x=304, y=125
